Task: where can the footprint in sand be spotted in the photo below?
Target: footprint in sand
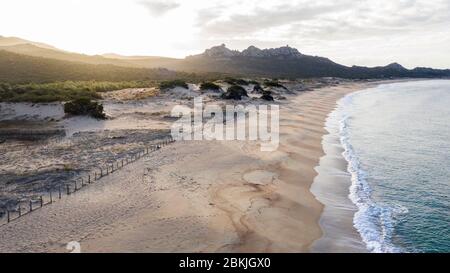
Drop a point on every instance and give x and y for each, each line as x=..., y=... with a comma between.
x=260, y=177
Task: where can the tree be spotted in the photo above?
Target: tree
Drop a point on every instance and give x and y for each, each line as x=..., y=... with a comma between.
x=84, y=106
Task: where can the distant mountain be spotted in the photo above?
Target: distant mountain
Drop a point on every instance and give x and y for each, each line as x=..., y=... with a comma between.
x=13, y=41
x=274, y=62
x=17, y=68
x=289, y=62
x=21, y=46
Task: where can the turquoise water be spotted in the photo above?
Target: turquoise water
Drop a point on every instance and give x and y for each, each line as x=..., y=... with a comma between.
x=397, y=142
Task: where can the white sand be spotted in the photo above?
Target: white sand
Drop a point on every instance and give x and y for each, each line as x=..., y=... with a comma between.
x=198, y=196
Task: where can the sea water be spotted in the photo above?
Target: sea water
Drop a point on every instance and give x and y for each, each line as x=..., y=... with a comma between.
x=396, y=140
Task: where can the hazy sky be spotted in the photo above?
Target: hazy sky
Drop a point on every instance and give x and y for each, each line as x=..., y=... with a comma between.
x=361, y=32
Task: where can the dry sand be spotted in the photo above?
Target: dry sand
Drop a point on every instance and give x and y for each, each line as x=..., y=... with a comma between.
x=198, y=196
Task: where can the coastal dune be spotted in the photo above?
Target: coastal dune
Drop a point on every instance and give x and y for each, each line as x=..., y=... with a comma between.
x=198, y=196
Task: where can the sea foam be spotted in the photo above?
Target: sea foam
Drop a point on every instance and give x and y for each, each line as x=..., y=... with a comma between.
x=374, y=221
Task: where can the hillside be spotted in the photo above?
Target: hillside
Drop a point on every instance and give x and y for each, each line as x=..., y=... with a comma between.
x=12, y=41
x=289, y=62
x=21, y=46
x=274, y=62
x=17, y=68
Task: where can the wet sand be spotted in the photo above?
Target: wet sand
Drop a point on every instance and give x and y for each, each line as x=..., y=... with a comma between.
x=203, y=196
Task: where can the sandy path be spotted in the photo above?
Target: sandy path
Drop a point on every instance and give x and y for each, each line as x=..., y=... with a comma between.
x=198, y=196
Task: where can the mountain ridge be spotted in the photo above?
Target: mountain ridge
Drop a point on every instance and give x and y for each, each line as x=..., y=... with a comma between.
x=11, y=41
x=283, y=61
x=286, y=61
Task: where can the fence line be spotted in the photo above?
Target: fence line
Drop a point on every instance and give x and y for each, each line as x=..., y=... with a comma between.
x=77, y=184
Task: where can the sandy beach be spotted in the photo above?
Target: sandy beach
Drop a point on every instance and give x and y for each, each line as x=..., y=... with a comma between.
x=198, y=196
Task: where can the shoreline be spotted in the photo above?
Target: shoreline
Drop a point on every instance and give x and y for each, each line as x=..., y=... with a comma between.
x=246, y=201
x=333, y=183
x=332, y=188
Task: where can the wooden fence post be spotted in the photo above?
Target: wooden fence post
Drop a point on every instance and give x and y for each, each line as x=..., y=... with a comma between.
x=134, y=157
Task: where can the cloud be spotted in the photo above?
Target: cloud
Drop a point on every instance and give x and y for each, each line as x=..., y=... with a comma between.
x=323, y=19
x=159, y=8
x=264, y=18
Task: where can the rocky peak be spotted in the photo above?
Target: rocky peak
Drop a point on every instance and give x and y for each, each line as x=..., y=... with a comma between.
x=283, y=51
x=220, y=51
x=252, y=51
x=395, y=66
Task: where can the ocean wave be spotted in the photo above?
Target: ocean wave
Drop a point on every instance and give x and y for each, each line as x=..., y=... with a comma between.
x=373, y=220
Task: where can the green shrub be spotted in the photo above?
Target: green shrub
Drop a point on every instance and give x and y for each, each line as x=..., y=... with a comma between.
x=273, y=83
x=172, y=84
x=62, y=91
x=209, y=86
x=234, y=81
x=235, y=92
x=257, y=89
x=267, y=95
x=86, y=107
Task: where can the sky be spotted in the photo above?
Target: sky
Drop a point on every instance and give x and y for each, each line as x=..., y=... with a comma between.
x=351, y=32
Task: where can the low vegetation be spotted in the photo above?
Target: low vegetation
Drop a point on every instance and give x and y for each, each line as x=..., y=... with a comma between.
x=267, y=95
x=84, y=107
x=164, y=85
x=209, y=86
x=273, y=83
x=235, y=92
x=234, y=81
x=62, y=91
x=257, y=89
